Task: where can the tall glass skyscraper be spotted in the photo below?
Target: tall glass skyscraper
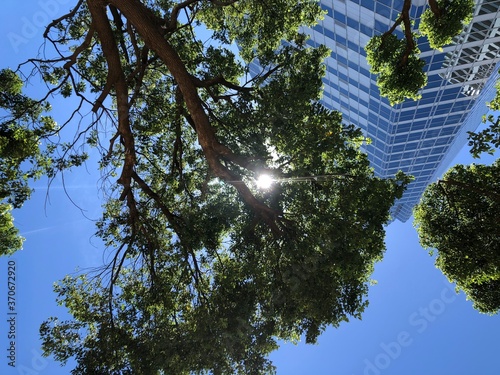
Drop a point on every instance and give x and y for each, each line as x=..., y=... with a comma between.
x=418, y=137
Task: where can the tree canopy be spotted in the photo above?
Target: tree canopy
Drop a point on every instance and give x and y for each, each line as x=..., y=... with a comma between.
x=445, y=19
x=396, y=59
x=458, y=217
x=207, y=272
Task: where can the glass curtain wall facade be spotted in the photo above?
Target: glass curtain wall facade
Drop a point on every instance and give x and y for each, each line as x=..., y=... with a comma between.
x=418, y=137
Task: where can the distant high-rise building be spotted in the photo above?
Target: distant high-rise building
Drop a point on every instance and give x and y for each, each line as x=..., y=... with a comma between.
x=418, y=137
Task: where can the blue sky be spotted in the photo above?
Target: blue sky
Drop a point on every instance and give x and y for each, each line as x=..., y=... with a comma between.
x=415, y=323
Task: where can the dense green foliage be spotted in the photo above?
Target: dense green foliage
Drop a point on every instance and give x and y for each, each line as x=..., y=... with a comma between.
x=445, y=21
x=458, y=217
x=24, y=126
x=20, y=156
x=10, y=240
x=206, y=272
x=400, y=76
x=396, y=61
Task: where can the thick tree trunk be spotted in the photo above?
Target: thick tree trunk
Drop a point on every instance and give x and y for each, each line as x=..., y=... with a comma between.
x=115, y=78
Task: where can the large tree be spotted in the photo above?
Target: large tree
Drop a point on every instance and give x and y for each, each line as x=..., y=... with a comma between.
x=458, y=218
x=207, y=272
x=396, y=60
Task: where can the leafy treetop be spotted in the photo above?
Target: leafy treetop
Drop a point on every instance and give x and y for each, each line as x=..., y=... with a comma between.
x=458, y=217
x=396, y=60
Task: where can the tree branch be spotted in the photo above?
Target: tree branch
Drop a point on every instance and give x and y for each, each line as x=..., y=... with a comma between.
x=146, y=24
x=116, y=79
x=404, y=18
x=220, y=81
x=119, y=26
x=71, y=14
x=172, y=25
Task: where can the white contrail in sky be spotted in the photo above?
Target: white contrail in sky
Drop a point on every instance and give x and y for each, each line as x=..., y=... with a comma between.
x=45, y=229
x=64, y=187
x=24, y=234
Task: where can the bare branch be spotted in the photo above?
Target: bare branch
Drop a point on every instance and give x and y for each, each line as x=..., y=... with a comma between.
x=71, y=14
x=220, y=81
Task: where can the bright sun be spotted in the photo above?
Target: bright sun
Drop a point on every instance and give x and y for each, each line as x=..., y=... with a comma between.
x=264, y=181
